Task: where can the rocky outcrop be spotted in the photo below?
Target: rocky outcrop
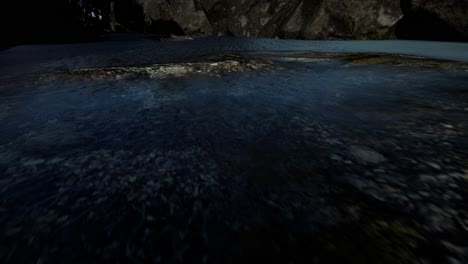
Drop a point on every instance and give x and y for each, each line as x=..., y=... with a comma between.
x=300, y=19
x=304, y=19
x=189, y=15
x=308, y=19
x=364, y=19
x=452, y=12
x=254, y=18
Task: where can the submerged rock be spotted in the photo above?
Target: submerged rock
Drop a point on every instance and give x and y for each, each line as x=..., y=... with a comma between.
x=367, y=155
x=210, y=66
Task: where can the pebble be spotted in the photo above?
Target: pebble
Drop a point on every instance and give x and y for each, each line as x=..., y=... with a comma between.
x=62, y=219
x=33, y=162
x=425, y=194
x=367, y=155
x=427, y=178
x=454, y=248
x=13, y=231
x=335, y=157
x=434, y=165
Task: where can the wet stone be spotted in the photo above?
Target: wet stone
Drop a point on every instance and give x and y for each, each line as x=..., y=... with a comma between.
x=367, y=155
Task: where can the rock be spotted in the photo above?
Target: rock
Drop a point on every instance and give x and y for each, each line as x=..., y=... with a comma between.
x=314, y=19
x=177, y=38
x=292, y=28
x=305, y=19
x=366, y=155
x=189, y=15
x=259, y=18
x=455, y=248
x=434, y=165
x=335, y=157
x=427, y=178
x=331, y=19
x=13, y=231
x=33, y=162
x=217, y=14
x=62, y=219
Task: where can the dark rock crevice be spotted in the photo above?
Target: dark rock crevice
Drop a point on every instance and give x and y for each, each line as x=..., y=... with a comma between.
x=126, y=16
x=433, y=20
x=424, y=25
x=165, y=28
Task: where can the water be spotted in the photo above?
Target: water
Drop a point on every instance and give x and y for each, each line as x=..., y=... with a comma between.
x=268, y=164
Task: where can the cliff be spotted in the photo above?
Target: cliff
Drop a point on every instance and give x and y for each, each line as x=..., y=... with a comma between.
x=309, y=19
x=298, y=19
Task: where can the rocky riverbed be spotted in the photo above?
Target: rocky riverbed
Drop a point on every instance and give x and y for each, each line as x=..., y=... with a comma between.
x=226, y=150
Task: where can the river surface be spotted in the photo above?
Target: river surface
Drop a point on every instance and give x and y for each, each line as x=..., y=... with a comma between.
x=229, y=150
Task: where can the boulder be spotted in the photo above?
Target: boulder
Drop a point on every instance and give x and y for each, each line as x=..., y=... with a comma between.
x=216, y=12
x=188, y=14
x=335, y=19
x=259, y=18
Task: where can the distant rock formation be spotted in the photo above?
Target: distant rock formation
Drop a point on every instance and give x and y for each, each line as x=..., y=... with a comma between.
x=298, y=19
x=314, y=19
x=305, y=19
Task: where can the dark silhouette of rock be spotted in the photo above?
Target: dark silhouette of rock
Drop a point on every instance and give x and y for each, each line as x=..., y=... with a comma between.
x=165, y=28
x=58, y=20
x=434, y=20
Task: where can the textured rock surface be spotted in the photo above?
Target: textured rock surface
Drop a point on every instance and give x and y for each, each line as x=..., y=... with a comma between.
x=350, y=19
x=305, y=19
x=255, y=18
x=316, y=19
x=452, y=12
x=300, y=19
x=189, y=15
